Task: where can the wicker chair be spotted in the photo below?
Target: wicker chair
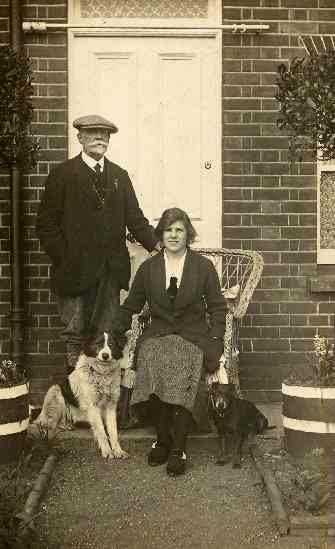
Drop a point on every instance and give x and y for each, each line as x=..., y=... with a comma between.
x=239, y=272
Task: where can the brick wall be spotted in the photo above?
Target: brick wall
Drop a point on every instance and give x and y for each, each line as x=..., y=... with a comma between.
x=49, y=57
x=48, y=54
x=5, y=275
x=268, y=205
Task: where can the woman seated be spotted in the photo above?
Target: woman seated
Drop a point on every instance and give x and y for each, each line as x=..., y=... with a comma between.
x=185, y=335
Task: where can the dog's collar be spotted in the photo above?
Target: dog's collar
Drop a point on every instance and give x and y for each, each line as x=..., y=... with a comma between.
x=220, y=414
x=96, y=371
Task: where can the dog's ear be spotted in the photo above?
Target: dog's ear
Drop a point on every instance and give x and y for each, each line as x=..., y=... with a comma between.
x=118, y=341
x=90, y=349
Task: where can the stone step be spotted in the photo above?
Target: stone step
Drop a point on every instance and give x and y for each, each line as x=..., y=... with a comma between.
x=202, y=441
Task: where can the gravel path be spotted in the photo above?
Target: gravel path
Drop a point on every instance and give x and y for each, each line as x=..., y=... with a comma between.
x=96, y=504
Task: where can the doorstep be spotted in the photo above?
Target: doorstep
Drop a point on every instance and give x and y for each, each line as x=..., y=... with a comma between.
x=198, y=440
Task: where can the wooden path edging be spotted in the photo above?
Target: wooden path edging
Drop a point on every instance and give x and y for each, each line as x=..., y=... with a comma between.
x=300, y=526
x=294, y=525
x=274, y=495
x=26, y=517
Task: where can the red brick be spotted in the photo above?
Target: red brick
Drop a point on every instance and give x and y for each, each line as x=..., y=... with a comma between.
x=308, y=220
x=301, y=257
x=302, y=3
x=297, y=332
x=322, y=15
x=298, y=308
x=241, y=79
x=237, y=168
x=242, y=104
x=270, y=168
x=49, y=129
x=298, y=232
x=318, y=320
x=242, y=53
x=50, y=77
x=57, y=12
x=269, y=333
x=49, y=103
x=298, y=206
x=278, y=220
x=242, y=156
x=273, y=295
x=271, y=207
x=235, y=206
x=269, y=283
x=232, y=13
x=231, y=243
x=231, y=65
x=269, y=245
x=270, y=156
x=241, y=232
x=271, y=345
x=270, y=14
x=270, y=233
x=232, y=143
x=271, y=320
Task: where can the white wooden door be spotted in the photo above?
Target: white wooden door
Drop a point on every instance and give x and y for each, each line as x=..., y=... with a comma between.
x=163, y=92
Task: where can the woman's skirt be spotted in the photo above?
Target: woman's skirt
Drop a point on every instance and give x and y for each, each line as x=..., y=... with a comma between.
x=169, y=367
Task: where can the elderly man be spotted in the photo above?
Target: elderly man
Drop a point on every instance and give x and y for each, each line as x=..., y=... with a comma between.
x=87, y=205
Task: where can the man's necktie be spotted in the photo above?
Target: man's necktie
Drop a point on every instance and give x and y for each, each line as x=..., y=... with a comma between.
x=172, y=289
x=99, y=181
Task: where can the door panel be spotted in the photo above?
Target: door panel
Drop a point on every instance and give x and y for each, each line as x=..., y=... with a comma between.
x=164, y=95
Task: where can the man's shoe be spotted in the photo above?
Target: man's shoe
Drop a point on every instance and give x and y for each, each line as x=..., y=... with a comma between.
x=158, y=454
x=176, y=464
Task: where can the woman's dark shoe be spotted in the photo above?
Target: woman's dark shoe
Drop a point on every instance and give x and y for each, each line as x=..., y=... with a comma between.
x=158, y=454
x=176, y=463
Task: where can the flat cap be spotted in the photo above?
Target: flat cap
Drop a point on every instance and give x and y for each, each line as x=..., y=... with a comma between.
x=94, y=121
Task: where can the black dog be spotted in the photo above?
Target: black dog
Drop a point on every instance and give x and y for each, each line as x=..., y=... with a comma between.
x=235, y=420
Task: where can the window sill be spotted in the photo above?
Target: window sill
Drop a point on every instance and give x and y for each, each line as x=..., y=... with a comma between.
x=325, y=283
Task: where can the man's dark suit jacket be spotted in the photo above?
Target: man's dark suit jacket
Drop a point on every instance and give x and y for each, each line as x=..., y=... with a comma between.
x=80, y=233
x=199, y=294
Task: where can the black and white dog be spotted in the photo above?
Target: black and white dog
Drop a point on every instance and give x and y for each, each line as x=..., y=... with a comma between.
x=90, y=394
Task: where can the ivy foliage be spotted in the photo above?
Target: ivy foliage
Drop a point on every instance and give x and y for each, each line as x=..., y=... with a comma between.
x=306, y=93
x=17, y=146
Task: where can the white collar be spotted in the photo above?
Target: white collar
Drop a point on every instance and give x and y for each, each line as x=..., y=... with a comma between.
x=174, y=267
x=91, y=163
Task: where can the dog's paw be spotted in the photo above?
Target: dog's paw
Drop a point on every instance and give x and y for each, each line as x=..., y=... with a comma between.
x=118, y=453
x=107, y=454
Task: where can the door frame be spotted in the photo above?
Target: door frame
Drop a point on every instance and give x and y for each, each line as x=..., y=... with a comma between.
x=146, y=31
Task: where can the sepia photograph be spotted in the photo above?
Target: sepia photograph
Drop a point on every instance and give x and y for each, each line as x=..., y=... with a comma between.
x=167, y=274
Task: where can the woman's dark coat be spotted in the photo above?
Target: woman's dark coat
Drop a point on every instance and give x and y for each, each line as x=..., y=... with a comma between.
x=199, y=293
x=80, y=233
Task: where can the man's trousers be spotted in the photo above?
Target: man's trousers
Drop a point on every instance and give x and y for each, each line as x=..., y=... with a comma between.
x=87, y=316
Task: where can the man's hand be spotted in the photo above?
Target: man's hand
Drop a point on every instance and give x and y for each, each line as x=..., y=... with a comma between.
x=213, y=351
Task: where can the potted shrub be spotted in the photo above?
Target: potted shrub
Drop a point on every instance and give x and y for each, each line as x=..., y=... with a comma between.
x=14, y=410
x=306, y=93
x=309, y=404
x=18, y=148
x=18, y=152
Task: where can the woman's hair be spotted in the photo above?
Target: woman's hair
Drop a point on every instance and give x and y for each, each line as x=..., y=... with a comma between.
x=172, y=215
